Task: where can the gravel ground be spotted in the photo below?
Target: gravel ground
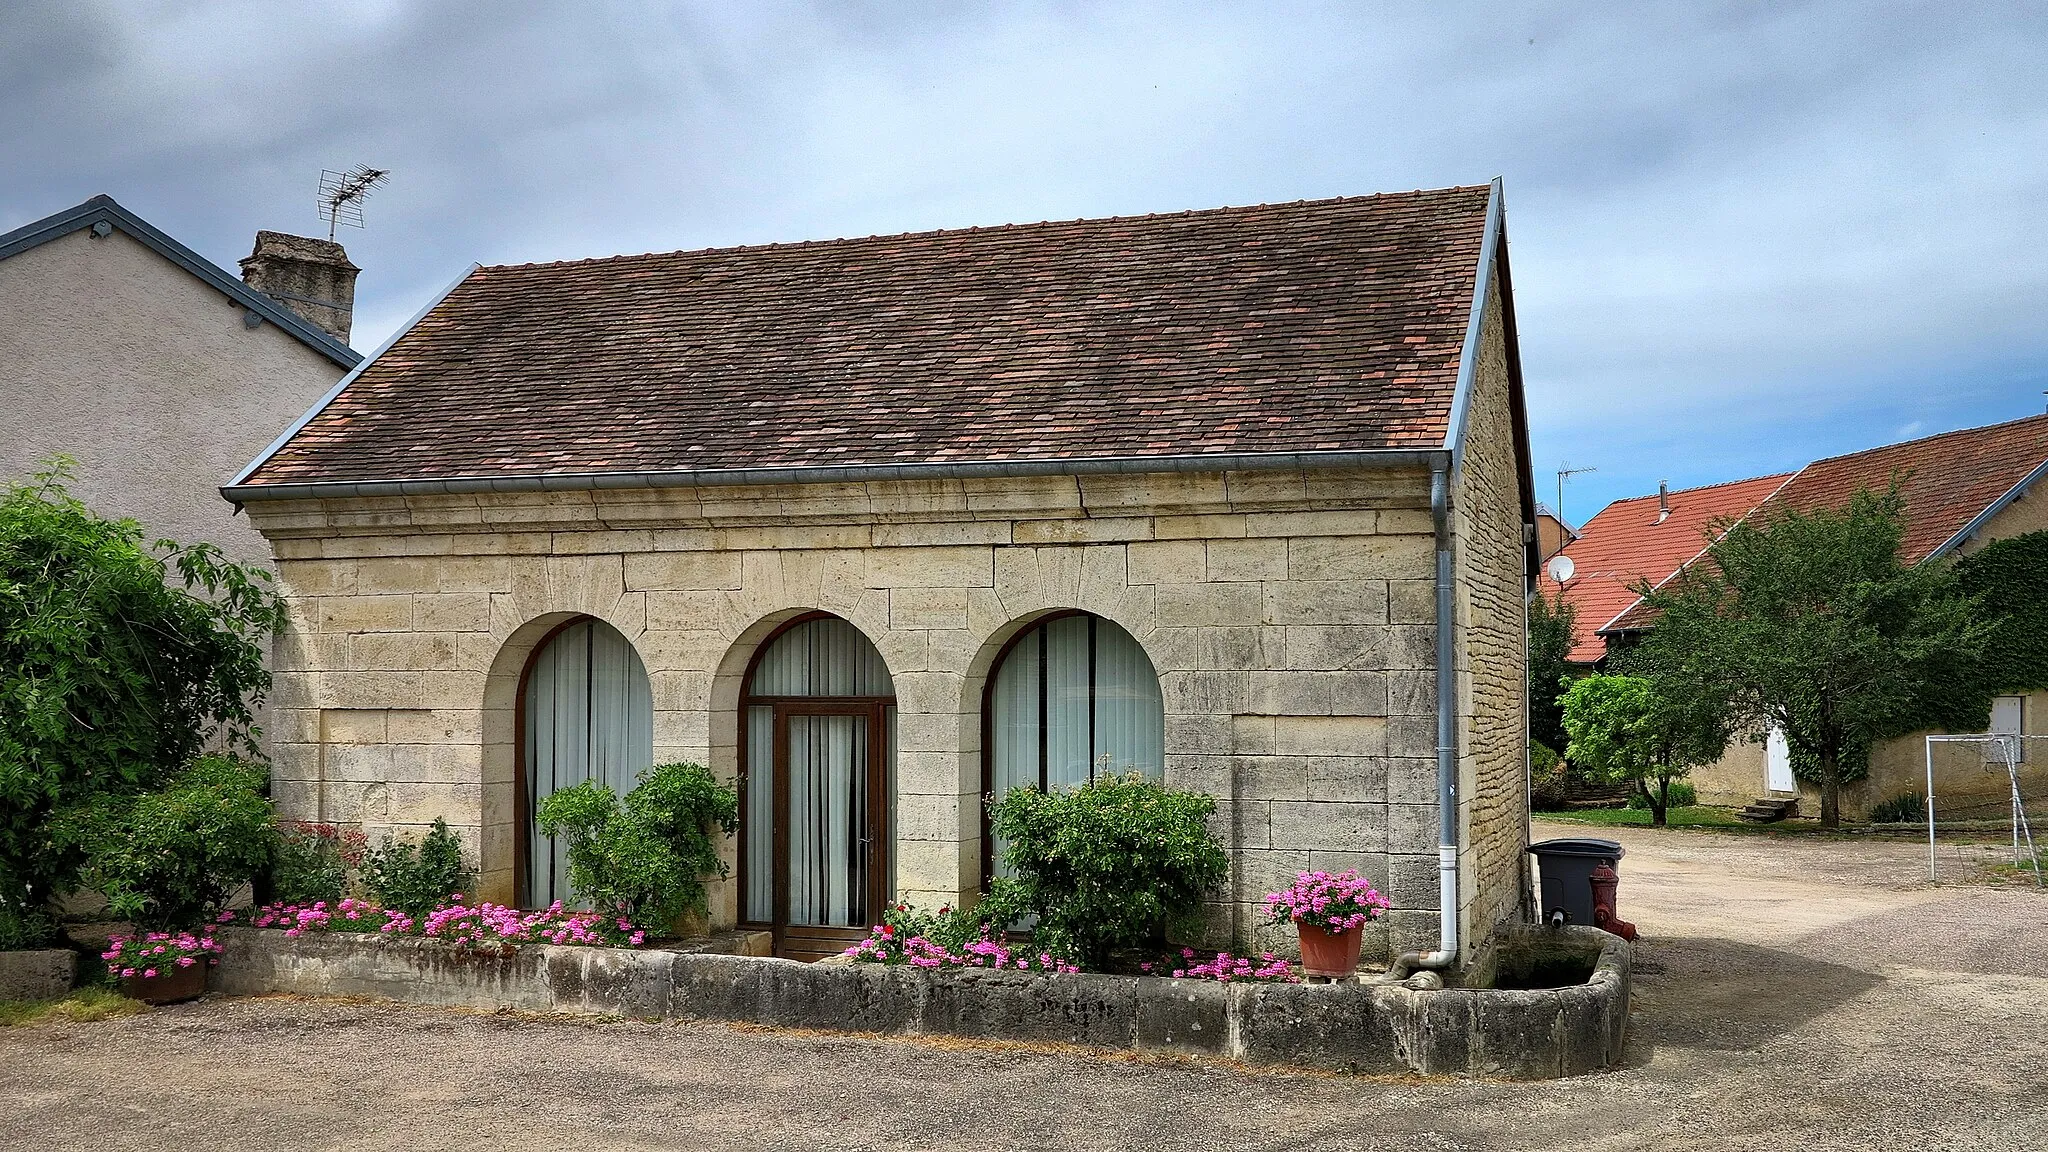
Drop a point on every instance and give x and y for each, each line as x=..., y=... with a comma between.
x=1790, y=994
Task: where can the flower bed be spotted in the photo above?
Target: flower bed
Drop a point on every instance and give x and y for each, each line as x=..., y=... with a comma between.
x=485, y=925
x=1347, y=1026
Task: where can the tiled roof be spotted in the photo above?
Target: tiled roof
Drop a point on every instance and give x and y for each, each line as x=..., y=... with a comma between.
x=1324, y=325
x=1946, y=482
x=1628, y=542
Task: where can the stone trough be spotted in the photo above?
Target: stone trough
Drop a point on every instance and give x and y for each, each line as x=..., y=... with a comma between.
x=1354, y=1026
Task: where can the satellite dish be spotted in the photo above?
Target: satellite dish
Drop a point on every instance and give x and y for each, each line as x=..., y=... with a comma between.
x=1561, y=568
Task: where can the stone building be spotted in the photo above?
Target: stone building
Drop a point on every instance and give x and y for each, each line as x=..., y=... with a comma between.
x=157, y=371
x=877, y=527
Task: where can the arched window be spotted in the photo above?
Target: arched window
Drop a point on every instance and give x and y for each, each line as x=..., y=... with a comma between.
x=1072, y=698
x=587, y=713
x=818, y=754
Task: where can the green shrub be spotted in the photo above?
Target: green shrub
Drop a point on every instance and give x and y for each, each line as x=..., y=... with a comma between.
x=1547, y=777
x=312, y=863
x=171, y=858
x=26, y=928
x=1682, y=795
x=1905, y=808
x=645, y=858
x=1117, y=865
x=416, y=878
x=121, y=659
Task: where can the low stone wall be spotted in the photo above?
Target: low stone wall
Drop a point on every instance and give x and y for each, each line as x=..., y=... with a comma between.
x=41, y=974
x=1351, y=1027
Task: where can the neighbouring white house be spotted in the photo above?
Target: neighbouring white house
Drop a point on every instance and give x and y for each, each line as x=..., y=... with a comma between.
x=156, y=370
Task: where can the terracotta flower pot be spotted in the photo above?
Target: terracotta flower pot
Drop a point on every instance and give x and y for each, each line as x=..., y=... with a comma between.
x=168, y=986
x=1327, y=953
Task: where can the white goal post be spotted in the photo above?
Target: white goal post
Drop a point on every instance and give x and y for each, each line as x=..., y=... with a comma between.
x=2003, y=755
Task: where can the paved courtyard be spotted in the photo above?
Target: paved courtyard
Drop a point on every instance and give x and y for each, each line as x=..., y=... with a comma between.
x=1791, y=994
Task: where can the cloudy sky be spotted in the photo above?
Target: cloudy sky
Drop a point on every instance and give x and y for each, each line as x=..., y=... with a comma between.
x=1745, y=235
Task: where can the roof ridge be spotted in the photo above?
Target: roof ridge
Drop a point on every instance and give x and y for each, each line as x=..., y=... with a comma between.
x=1008, y=226
x=1931, y=437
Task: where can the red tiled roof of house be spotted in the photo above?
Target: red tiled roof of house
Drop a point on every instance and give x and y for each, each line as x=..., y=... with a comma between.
x=1324, y=325
x=1628, y=542
x=1946, y=481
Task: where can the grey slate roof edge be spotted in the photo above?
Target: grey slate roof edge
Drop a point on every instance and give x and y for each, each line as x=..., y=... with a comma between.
x=236, y=485
x=832, y=473
x=104, y=208
x=1493, y=263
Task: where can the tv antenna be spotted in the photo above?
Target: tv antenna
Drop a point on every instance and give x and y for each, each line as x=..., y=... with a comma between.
x=1565, y=472
x=342, y=195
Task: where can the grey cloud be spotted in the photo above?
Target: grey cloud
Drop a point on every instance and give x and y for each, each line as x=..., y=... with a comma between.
x=1744, y=234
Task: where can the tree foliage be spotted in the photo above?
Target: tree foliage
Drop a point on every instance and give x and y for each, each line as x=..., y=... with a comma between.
x=120, y=660
x=2009, y=578
x=1810, y=622
x=1551, y=620
x=1643, y=732
x=645, y=857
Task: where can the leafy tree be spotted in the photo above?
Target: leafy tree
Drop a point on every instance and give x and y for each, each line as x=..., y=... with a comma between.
x=1550, y=640
x=645, y=858
x=1113, y=865
x=1635, y=730
x=1811, y=623
x=120, y=660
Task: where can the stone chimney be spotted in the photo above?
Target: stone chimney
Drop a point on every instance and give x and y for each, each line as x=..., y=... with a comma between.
x=311, y=277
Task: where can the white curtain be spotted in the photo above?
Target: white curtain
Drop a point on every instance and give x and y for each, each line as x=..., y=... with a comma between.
x=1130, y=716
x=822, y=657
x=1068, y=657
x=1074, y=698
x=589, y=716
x=760, y=864
x=828, y=766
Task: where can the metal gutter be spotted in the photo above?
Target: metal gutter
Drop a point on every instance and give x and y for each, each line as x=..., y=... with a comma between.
x=1448, y=910
x=1983, y=518
x=320, y=405
x=818, y=474
x=104, y=208
x=1468, y=358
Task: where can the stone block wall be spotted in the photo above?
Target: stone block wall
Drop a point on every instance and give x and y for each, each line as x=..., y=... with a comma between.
x=1492, y=655
x=1288, y=613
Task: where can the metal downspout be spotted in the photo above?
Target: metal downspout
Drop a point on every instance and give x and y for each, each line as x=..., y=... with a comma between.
x=1446, y=740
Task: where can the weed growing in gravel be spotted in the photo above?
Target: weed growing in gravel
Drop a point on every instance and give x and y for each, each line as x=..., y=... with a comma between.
x=82, y=1006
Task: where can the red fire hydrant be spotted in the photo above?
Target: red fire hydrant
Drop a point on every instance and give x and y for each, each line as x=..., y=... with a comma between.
x=1605, y=882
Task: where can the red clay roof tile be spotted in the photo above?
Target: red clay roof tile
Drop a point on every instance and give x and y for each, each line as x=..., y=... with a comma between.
x=1326, y=325
x=1946, y=481
x=1627, y=543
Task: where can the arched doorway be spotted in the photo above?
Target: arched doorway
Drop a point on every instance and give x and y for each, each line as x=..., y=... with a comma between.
x=586, y=712
x=817, y=755
x=1070, y=698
